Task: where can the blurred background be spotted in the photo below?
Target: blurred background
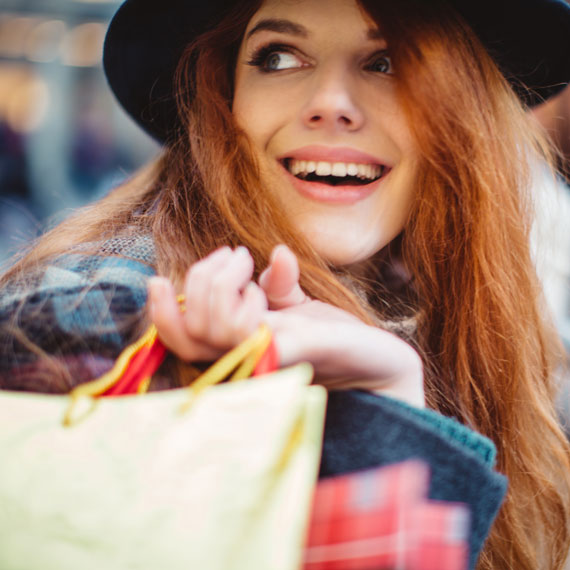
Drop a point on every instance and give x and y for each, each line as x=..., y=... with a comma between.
x=64, y=141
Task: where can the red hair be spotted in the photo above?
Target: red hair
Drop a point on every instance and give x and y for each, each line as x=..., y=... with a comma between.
x=488, y=352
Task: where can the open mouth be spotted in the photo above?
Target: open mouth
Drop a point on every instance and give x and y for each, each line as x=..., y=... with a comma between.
x=335, y=173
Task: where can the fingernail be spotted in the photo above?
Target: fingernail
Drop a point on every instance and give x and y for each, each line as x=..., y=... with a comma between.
x=264, y=276
x=151, y=285
x=277, y=249
x=216, y=253
x=274, y=253
x=157, y=286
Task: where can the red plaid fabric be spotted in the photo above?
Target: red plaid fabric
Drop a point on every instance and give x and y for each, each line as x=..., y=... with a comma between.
x=381, y=519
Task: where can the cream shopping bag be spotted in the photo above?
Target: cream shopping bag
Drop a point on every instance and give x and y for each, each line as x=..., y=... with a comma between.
x=136, y=484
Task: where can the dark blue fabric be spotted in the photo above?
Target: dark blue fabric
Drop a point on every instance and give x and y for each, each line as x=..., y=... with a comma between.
x=363, y=430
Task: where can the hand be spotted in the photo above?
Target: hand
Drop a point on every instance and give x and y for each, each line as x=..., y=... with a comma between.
x=223, y=306
x=345, y=352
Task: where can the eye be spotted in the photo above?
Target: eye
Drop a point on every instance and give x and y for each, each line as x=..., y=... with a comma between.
x=380, y=63
x=275, y=58
x=280, y=60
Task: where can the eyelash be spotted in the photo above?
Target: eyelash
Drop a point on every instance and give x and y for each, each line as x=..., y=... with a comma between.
x=259, y=57
x=261, y=54
x=381, y=54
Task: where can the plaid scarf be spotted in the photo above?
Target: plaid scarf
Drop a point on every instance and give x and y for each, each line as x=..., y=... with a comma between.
x=80, y=308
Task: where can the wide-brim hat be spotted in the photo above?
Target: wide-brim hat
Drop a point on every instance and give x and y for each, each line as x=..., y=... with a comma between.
x=528, y=39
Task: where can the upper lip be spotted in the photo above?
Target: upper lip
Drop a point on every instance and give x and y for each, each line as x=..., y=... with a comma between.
x=332, y=154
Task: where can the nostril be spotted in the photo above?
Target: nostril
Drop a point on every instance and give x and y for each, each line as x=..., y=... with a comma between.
x=341, y=119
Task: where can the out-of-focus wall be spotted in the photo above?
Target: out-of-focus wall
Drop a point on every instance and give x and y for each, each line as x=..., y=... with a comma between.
x=552, y=199
x=64, y=141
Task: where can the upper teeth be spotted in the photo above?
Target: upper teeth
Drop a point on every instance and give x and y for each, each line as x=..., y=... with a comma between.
x=321, y=168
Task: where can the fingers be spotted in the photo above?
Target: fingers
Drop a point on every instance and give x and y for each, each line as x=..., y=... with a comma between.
x=213, y=290
x=197, y=289
x=227, y=298
x=223, y=306
x=164, y=311
x=249, y=315
x=280, y=281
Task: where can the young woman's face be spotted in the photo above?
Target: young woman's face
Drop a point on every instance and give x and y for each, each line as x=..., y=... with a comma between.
x=315, y=93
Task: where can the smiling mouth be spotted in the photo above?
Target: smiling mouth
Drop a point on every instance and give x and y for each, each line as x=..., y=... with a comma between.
x=335, y=173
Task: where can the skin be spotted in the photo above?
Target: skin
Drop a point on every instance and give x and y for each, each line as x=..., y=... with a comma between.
x=326, y=92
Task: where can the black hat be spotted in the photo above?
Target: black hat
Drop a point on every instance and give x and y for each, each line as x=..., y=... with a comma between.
x=529, y=40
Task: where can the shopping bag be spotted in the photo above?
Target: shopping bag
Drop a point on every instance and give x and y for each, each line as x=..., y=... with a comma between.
x=134, y=483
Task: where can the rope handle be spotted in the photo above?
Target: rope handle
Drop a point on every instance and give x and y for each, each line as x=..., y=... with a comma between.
x=135, y=366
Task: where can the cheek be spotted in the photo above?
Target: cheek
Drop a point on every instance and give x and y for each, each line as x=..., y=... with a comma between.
x=252, y=107
x=246, y=113
x=265, y=110
x=257, y=119
x=392, y=122
x=401, y=134
x=403, y=198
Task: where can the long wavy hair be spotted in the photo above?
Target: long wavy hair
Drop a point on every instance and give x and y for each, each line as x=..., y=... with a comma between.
x=489, y=353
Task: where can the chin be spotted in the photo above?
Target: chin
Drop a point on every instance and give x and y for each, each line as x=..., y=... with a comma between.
x=340, y=255
x=346, y=246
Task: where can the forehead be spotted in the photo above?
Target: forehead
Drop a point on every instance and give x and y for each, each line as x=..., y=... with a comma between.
x=340, y=15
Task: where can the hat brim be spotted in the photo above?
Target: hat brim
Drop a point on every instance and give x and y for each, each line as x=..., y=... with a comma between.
x=529, y=40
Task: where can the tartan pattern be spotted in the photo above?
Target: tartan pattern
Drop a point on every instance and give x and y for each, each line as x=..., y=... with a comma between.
x=381, y=519
x=79, y=308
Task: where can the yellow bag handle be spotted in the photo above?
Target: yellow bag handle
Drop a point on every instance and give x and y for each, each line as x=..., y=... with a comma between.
x=242, y=359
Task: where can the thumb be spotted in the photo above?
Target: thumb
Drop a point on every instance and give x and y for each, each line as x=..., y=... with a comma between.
x=280, y=280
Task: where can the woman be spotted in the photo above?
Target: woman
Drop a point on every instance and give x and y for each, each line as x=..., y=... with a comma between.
x=380, y=142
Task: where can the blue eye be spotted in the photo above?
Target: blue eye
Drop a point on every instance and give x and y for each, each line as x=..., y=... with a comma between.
x=275, y=57
x=280, y=60
x=380, y=63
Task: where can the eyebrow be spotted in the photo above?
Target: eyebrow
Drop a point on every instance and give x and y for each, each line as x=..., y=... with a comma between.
x=282, y=26
x=375, y=34
x=288, y=27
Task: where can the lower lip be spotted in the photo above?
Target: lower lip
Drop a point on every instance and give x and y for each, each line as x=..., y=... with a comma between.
x=333, y=194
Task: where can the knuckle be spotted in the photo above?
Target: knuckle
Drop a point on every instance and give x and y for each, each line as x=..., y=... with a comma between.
x=219, y=284
x=198, y=270
x=241, y=331
x=193, y=324
x=220, y=339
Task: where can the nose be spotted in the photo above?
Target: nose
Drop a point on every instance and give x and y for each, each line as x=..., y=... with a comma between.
x=332, y=103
